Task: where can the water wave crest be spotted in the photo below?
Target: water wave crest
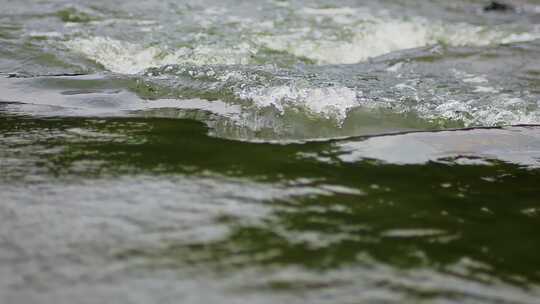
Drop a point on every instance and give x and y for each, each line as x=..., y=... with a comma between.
x=322, y=36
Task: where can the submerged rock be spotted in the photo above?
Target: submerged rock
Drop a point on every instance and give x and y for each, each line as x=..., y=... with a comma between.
x=496, y=6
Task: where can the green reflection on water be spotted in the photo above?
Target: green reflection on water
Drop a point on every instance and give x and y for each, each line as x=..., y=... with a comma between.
x=405, y=216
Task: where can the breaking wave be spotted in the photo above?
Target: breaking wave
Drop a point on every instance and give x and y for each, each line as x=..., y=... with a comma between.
x=244, y=69
x=323, y=36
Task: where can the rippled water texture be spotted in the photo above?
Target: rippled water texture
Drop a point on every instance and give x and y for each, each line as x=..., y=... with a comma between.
x=269, y=152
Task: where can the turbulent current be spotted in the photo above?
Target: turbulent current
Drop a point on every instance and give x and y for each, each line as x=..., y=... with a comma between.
x=280, y=151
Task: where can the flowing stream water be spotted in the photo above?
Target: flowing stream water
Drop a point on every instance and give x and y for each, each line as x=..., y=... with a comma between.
x=285, y=151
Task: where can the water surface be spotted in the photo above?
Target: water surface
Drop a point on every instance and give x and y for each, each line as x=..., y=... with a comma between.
x=269, y=151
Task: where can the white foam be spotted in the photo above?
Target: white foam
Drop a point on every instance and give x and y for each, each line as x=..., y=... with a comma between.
x=353, y=35
x=45, y=34
x=129, y=58
x=371, y=41
x=325, y=35
x=333, y=12
x=374, y=36
x=502, y=110
x=331, y=102
x=475, y=79
x=484, y=89
x=115, y=55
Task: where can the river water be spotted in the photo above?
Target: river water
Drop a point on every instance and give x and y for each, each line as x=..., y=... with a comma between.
x=269, y=151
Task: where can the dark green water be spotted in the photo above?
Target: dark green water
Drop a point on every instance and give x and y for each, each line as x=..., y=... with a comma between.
x=269, y=152
x=103, y=203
